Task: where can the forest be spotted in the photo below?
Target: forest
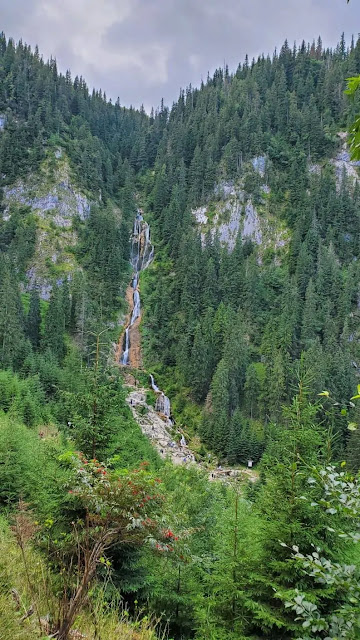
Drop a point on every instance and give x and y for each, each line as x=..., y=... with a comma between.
x=256, y=345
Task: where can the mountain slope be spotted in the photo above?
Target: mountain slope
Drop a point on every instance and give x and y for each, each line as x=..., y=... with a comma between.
x=242, y=341
x=235, y=329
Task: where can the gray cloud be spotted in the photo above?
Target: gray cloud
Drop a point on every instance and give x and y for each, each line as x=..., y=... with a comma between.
x=143, y=50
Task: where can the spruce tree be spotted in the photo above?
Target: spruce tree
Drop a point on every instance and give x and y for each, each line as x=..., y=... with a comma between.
x=54, y=330
x=11, y=319
x=33, y=320
x=309, y=323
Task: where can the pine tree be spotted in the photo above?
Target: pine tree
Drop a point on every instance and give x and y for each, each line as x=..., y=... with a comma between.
x=297, y=443
x=11, y=321
x=254, y=388
x=309, y=323
x=200, y=364
x=53, y=338
x=33, y=320
x=219, y=418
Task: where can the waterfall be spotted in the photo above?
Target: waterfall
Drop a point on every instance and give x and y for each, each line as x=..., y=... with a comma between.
x=149, y=259
x=141, y=256
x=136, y=309
x=145, y=247
x=163, y=404
x=153, y=385
x=125, y=355
x=166, y=407
x=142, y=251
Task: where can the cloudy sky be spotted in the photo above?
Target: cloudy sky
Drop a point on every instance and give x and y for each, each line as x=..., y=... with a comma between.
x=143, y=50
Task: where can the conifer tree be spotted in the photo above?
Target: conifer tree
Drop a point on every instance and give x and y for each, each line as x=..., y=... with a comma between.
x=218, y=422
x=33, y=320
x=309, y=323
x=54, y=329
x=11, y=321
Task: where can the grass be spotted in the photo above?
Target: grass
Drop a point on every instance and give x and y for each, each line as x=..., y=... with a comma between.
x=100, y=621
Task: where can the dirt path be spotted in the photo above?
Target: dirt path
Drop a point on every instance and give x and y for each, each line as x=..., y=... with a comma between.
x=158, y=430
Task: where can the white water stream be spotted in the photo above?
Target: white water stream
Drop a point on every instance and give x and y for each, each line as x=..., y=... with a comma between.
x=142, y=254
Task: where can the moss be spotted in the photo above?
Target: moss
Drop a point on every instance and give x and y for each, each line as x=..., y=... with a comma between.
x=150, y=397
x=224, y=216
x=211, y=211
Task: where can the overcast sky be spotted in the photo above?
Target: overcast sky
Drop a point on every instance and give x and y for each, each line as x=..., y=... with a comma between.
x=143, y=50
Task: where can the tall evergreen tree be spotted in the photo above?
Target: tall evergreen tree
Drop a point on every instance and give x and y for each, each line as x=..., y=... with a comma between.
x=54, y=330
x=33, y=320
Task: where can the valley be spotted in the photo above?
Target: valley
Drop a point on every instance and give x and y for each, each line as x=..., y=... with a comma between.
x=180, y=299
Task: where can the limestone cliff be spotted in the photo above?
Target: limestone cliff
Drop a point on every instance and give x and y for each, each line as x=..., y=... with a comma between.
x=233, y=210
x=58, y=207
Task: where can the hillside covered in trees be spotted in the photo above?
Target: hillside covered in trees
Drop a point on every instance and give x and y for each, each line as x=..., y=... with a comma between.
x=255, y=341
x=236, y=326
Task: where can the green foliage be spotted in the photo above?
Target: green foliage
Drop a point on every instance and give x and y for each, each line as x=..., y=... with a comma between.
x=197, y=292
x=54, y=330
x=340, y=499
x=18, y=235
x=229, y=334
x=33, y=320
x=29, y=469
x=353, y=85
x=104, y=252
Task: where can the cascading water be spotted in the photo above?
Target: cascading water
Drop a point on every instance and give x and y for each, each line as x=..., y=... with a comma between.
x=142, y=253
x=125, y=355
x=153, y=385
x=148, y=249
x=136, y=309
x=163, y=405
x=166, y=406
x=162, y=401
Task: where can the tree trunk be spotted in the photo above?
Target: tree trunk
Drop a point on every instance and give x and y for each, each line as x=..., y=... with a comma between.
x=78, y=599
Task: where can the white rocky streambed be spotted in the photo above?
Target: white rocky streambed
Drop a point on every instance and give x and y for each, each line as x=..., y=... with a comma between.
x=158, y=430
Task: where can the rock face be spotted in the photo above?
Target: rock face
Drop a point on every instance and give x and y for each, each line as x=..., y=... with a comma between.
x=61, y=199
x=258, y=164
x=231, y=211
x=55, y=202
x=343, y=163
x=156, y=429
x=251, y=225
x=161, y=436
x=234, y=212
